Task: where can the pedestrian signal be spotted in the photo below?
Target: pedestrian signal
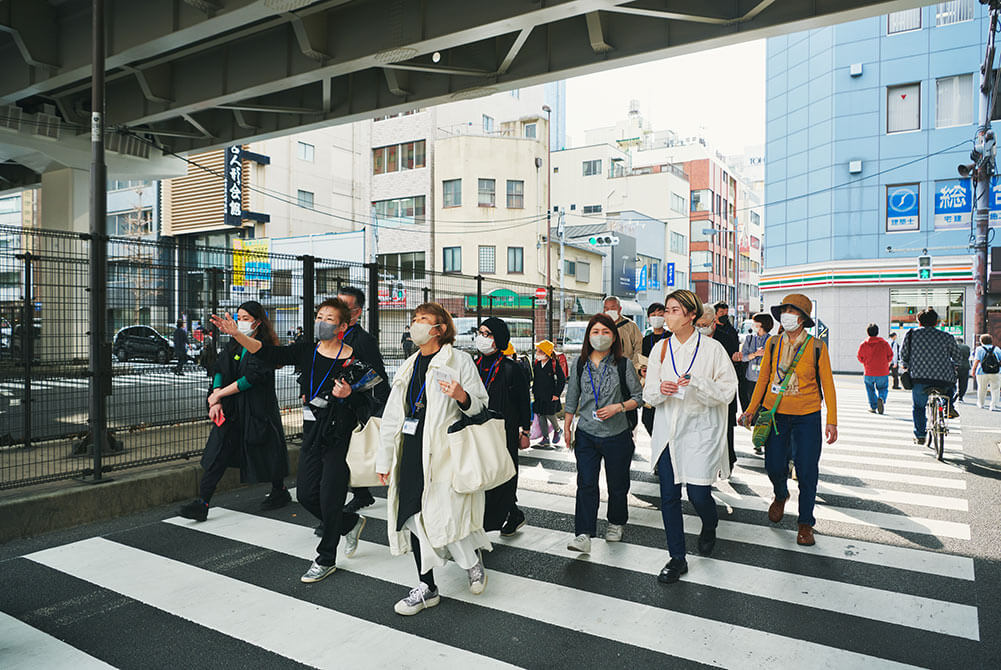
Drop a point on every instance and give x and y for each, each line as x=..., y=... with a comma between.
x=924, y=267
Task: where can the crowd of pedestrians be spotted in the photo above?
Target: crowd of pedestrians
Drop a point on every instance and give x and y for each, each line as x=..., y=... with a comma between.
x=690, y=379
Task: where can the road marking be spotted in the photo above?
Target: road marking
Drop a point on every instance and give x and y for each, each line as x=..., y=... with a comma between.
x=865, y=474
x=23, y=647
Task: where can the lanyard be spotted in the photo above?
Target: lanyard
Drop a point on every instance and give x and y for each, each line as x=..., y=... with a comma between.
x=490, y=375
x=313, y=391
x=698, y=342
x=593, y=391
x=347, y=332
x=416, y=403
x=778, y=362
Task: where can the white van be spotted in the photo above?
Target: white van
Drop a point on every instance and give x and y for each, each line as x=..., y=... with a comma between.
x=521, y=334
x=572, y=338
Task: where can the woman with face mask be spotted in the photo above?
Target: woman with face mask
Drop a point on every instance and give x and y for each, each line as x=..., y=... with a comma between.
x=248, y=430
x=338, y=394
x=548, y=382
x=430, y=392
x=751, y=352
x=602, y=388
x=508, y=389
x=655, y=316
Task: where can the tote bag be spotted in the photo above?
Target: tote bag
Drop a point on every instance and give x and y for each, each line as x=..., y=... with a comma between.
x=480, y=459
x=361, y=454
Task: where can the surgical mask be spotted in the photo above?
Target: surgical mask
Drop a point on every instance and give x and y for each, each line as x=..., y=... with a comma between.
x=484, y=344
x=420, y=333
x=707, y=330
x=601, y=342
x=789, y=321
x=541, y=357
x=656, y=322
x=245, y=327
x=612, y=314
x=325, y=330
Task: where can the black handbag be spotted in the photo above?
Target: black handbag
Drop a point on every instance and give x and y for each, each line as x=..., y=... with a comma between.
x=906, y=381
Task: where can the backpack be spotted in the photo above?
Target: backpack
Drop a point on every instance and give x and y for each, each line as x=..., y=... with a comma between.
x=562, y=358
x=632, y=416
x=990, y=365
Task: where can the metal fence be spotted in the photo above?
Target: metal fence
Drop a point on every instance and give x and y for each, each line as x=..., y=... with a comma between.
x=157, y=403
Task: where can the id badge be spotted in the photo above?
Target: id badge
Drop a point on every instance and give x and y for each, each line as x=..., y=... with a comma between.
x=680, y=395
x=776, y=388
x=410, y=426
x=318, y=402
x=755, y=366
x=594, y=414
x=307, y=413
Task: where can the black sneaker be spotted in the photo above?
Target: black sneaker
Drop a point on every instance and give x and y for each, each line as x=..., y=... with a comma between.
x=879, y=405
x=197, y=510
x=707, y=541
x=514, y=522
x=544, y=446
x=276, y=499
x=359, y=502
x=953, y=414
x=672, y=571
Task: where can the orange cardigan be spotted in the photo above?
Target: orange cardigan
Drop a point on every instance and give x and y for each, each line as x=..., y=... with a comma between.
x=808, y=399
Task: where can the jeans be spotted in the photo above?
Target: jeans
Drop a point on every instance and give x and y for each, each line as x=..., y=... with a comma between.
x=876, y=386
x=919, y=396
x=795, y=437
x=617, y=451
x=670, y=506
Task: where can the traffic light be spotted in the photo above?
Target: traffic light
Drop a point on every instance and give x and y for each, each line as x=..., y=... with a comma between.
x=924, y=267
x=603, y=240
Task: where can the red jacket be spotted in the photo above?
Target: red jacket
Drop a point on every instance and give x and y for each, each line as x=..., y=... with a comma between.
x=875, y=355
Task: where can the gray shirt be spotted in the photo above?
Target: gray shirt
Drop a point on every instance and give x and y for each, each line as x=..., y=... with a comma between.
x=580, y=396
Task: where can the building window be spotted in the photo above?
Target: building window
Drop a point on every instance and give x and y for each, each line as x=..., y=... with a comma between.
x=304, y=152
x=488, y=124
x=487, y=192
x=903, y=108
x=556, y=170
x=569, y=268
x=947, y=13
x=516, y=194
x=515, y=93
x=902, y=22
x=488, y=259
x=583, y=272
x=678, y=204
x=701, y=200
x=401, y=210
x=330, y=280
x=592, y=168
x=409, y=265
x=702, y=261
x=755, y=219
x=393, y=158
x=379, y=160
x=305, y=198
x=531, y=130
x=954, y=101
x=591, y=209
x=452, y=193
x=406, y=156
x=137, y=223
x=453, y=259
x=679, y=280
x=516, y=260
x=572, y=207
x=412, y=155
x=679, y=245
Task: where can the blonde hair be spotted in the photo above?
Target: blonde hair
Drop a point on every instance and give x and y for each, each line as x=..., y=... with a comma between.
x=689, y=301
x=443, y=317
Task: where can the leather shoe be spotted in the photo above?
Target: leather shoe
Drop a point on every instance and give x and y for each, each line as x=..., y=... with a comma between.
x=777, y=509
x=672, y=571
x=707, y=540
x=805, y=535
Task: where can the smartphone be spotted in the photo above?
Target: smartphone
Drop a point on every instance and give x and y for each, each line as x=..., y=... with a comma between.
x=219, y=418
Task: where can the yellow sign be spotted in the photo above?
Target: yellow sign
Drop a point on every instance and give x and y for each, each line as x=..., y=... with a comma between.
x=252, y=263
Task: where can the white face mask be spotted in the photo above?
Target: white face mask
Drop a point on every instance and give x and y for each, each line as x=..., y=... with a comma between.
x=541, y=357
x=485, y=345
x=612, y=314
x=789, y=321
x=420, y=333
x=601, y=342
x=707, y=330
x=656, y=322
x=245, y=327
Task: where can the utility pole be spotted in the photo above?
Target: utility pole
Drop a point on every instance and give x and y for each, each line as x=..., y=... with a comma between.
x=562, y=230
x=549, y=197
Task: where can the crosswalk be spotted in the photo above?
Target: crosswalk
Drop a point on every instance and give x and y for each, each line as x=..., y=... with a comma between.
x=889, y=584
x=162, y=377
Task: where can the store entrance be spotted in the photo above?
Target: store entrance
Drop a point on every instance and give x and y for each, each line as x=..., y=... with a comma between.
x=905, y=303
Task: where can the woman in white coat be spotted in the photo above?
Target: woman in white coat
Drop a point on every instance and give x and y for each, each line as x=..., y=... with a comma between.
x=428, y=394
x=690, y=383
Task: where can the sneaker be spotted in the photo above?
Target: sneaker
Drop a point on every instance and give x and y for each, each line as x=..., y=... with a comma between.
x=672, y=571
x=557, y=437
x=317, y=572
x=920, y=440
x=953, y=414
x=197, y=510
x=545, y=446
x=421, y=597
x=759, y=451
x=359, y=502
x=880, y=405
x=477, y=576
x=872, y=410
x=351, y=539
x=514, y=523
x=614, y=532
x=276, y=499
x=581, y=543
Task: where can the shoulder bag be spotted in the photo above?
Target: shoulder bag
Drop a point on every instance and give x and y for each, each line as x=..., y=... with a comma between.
x=480, y=459
x=361, y=454
x=764, y=419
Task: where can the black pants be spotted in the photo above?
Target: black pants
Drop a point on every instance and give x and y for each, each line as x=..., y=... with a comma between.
x=427, y=577
x=212, y=475
x=962, y=382
x=322, y=486
x=745, y=389
x=182, y=358
x=647, y=418
x=895, y=373
x=731, y=423
x=362, y=493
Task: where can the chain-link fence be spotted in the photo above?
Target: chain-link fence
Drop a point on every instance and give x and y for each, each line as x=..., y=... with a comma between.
x=159, y=370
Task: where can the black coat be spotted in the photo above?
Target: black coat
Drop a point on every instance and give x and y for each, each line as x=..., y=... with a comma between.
x=252, y=418
x=548, y=380
x=366, y=350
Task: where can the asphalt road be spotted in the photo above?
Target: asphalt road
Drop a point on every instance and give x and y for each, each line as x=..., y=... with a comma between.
x=906, y=572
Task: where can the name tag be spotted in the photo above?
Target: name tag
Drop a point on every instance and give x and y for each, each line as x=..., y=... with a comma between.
x=776, y=388
x=410, y=426
x=681, y=392
x=755, y=366
x=594, y=415
x=307, y=414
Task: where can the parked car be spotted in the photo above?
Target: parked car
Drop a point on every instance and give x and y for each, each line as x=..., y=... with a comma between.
x=572, y=338
x=17, y=342
x=142, y=343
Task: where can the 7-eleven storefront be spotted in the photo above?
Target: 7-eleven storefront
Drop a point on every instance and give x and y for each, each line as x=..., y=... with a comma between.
x=849, y=295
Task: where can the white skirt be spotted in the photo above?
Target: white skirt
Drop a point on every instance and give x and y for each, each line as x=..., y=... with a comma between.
x=463, y=551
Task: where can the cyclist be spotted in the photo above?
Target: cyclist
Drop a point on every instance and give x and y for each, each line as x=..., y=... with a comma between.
x=931, y=356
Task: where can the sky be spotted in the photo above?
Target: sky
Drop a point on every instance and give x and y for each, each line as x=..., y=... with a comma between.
x=720, y=93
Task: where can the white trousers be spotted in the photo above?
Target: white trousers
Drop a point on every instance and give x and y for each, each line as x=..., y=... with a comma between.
x=985, y=382
x=463, y=551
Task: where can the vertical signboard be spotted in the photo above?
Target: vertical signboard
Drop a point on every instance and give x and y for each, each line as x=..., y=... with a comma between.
x=953, y=200
x=669, y=274
x=234, y=187
x=903, y=207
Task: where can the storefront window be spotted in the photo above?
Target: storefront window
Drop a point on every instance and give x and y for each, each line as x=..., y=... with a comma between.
x=905, y=303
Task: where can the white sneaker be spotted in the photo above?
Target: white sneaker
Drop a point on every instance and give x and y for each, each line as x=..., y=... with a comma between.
x=581, y=543
x=351, y=539
x=317, y=572
x=421, y=597
x=477, y=576
x=614, y=532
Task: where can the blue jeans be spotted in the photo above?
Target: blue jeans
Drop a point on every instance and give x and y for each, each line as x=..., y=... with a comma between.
x=919, y=396
x=670, y=506
x=874, y=386
x=795, y=437
x=618, y=454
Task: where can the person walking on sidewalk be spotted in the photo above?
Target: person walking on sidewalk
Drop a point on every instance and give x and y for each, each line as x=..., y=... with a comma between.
x=690, y=381
x=338, y=393
x=248, y=432
x=430, y=392
x=548, y=382
x=603, y=388
x=895, y=362
x=875, y=355
x=987, y=368
x=629, y=332
x=508, y=390
x=180, y=347
x=655, y=315
x=962, y=368
x=931, y=357
x=797, y=431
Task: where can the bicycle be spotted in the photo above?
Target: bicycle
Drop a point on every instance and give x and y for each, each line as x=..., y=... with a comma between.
x=938, y=421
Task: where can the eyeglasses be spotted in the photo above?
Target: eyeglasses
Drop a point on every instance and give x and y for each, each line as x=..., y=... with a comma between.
x=485, y=333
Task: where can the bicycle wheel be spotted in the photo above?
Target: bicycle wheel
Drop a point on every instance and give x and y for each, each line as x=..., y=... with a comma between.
x=939, y=437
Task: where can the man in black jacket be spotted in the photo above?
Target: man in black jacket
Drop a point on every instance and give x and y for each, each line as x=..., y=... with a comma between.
x=180, y=347
x=726, y=335
x=366, y=349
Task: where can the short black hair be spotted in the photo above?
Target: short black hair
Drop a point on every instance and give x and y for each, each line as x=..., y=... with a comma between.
x=721, y=305
x=893, y=335
x=872, y=329
x=928, y=317
x=653, y=308
x=766, y=321
x=355, y=293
